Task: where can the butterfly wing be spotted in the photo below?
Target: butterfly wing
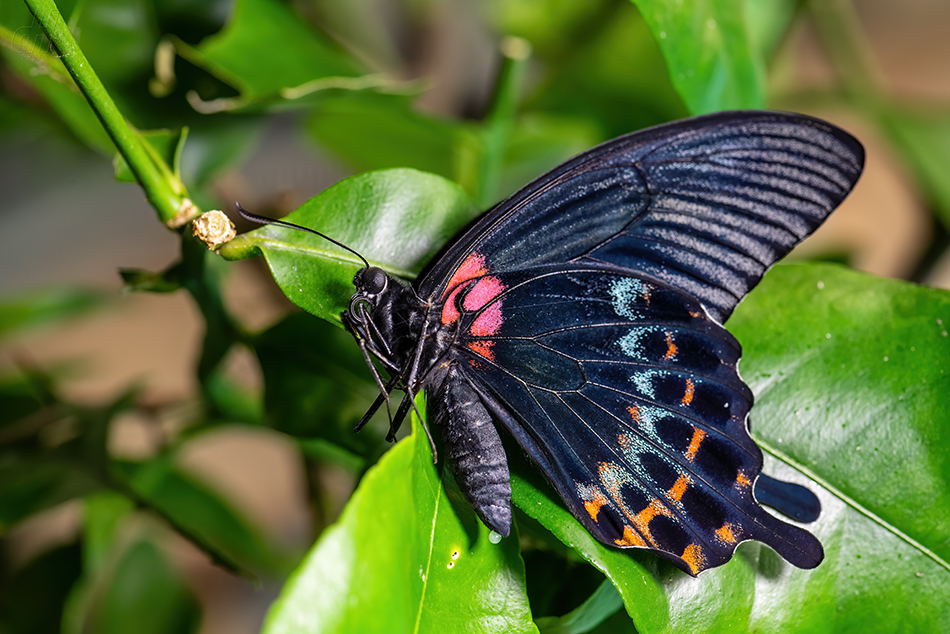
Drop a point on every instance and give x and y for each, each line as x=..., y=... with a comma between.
x=588, y=305
x=626, y=395
x=706, y=204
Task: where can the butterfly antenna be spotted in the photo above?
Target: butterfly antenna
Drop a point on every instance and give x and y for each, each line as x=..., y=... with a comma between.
x=263, y=220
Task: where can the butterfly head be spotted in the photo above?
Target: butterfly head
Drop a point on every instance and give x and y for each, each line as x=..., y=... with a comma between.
x=371, y=283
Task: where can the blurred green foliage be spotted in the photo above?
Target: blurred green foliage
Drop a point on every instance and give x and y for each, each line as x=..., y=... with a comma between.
x=203, y=79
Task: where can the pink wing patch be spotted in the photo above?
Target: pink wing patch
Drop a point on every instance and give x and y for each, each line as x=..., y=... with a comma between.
x=485, y=290
x=479, y=296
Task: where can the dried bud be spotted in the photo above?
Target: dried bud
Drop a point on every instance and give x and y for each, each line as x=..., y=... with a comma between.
x=186, y=211
x=213, y=228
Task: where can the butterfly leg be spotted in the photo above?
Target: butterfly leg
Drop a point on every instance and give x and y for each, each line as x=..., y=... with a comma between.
x=375, y=407
x=475, y=449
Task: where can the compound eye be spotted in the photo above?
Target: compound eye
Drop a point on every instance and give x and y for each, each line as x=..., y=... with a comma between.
x=373, y=280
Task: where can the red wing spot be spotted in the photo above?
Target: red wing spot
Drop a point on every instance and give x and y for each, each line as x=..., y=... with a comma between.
x=483, y=348
x=698, y=435
x=690, y=391
x=670, y=348
x=473, y=266
x=450, y=312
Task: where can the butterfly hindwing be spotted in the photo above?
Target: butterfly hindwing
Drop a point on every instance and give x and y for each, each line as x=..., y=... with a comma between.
x=626, y=395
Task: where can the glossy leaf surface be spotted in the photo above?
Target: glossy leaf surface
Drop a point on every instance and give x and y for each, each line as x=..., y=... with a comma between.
x=198, y=509
x=712, y=60
x=266, y=48
x=407, y=555
x=396, y=218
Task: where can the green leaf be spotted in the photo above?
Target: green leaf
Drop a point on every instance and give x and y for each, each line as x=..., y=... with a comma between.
x=607, y=71
x=374, y=132
x=595, y=610
x=398, y=219
x=924, y=138
x=712, y=61
x=141, y=281
x=216, y=145
x=145, y=595
x=22, y=395
x=117, y=36
x=166, y=146
x=103, y=515
x=265, y=49
x=103, y=519
x=31, y=600
x=768, y=23
x=39, y=307
x=53, y=82
x=316, y=382
x=408, y=555
x=201, y=512
x=32, y=484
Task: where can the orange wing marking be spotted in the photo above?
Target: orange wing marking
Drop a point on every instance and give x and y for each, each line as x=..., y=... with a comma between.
x=743, y=481
x=670, y=348
x=690, y=390
x=613, y=477
x=682, y=483
x=593, y=507
x=725, y=534
x=473, y=266
x=694, y=558
x=698, y=435
x=630, y=538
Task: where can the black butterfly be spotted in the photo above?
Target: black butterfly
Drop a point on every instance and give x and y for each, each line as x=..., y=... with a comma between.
x=583, y=315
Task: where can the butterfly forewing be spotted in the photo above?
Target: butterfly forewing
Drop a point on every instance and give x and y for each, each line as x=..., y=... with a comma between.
x=706, y=204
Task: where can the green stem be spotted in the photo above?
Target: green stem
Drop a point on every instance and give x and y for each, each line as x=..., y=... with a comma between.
x=158, y=190
x=849, y=50
x=501, y=116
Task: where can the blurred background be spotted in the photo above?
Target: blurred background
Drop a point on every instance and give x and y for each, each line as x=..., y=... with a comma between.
x=427, y=71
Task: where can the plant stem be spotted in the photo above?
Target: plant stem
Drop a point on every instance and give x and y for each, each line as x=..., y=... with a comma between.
x=849, y=51
x=158, y=190
x=501, y=117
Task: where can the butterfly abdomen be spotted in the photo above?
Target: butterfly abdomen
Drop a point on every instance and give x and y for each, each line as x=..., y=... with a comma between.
x=475, y=451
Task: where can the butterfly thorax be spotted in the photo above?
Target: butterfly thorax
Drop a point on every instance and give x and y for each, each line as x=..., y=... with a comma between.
x=412, y=340
x=398, y=329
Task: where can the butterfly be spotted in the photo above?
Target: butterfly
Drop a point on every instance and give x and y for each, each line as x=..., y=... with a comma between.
x=583, y=317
